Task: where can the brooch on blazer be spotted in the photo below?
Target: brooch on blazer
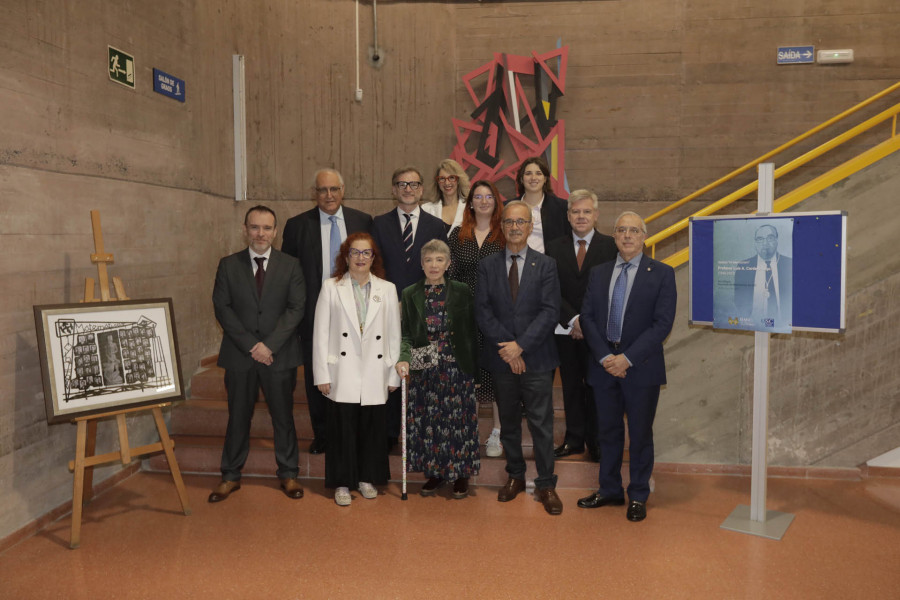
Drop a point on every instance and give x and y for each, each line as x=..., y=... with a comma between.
x=376, y=298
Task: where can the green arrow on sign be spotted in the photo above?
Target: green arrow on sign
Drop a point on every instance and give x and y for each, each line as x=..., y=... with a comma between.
x=121, y=67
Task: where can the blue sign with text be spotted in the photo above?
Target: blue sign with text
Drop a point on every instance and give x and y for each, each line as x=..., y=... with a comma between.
x=168, y=85
x=792, y=55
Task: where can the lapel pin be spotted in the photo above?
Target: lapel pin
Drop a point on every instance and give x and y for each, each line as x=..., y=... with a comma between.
x=376, y=298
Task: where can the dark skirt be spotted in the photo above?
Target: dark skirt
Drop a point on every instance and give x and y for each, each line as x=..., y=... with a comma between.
x=357, y=445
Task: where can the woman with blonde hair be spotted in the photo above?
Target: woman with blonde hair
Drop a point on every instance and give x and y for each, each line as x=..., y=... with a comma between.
x=451, y=185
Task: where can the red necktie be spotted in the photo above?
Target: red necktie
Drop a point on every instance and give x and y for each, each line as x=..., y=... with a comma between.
x=582, y=250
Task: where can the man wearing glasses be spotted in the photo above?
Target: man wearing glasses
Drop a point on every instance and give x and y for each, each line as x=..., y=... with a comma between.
x=517, y=306
x=762, y=283
x=314, y=237
x=627, y=313
x=400, y=234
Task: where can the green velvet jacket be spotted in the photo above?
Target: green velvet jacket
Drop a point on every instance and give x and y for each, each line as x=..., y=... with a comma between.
x=461, y=323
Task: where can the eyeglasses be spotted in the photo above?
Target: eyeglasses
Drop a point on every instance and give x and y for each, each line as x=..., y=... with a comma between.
x=518, y=222
x=354, y=253
x=631, y=230
x=323, y=191
x=447, y=179
x=768, y=238
x=488, y=197
x=413, y=185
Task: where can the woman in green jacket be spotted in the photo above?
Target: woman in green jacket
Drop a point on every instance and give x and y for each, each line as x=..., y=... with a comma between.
x=438, y=349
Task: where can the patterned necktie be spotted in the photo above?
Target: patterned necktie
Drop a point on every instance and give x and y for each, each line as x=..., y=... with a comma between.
x=582, y=250
x=514, y=277
x=771, y=298
x=408, y=237
x=260, y=273
x=334, y=243
x=616, y=307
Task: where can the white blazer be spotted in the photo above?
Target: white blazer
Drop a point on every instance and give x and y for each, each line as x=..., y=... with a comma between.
x=359, y=366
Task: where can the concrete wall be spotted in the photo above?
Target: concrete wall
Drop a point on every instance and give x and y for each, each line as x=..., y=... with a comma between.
x=663, y=96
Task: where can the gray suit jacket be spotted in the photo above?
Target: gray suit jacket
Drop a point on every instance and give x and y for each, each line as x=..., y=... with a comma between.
x=529, y=321
x=246, y=318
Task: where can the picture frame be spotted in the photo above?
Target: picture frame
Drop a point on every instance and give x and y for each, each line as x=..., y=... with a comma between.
x=103, y=356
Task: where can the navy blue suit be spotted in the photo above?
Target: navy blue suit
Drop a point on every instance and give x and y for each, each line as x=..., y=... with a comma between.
x=649, y=315
x=530, y=322
x=387, y=230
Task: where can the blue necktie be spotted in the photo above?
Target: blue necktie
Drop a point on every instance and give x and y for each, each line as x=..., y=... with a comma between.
x=334, y=244
x=617, y=306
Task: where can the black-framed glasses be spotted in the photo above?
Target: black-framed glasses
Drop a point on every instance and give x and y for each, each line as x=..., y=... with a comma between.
x=355, y=253
x=448, y=179
x=323, y=191
x=413, y=185
x=518, y=222
x=631, y=230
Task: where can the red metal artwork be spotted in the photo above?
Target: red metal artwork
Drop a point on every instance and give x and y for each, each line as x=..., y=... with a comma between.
x=503, y=111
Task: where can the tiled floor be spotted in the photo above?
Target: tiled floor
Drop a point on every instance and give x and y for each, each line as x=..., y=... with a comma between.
x=844, y=543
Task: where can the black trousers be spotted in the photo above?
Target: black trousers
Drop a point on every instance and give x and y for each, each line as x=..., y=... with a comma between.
x=355, y=445
x=578, y=398
x=315, y=401
x=535, y=391
x=243, y=390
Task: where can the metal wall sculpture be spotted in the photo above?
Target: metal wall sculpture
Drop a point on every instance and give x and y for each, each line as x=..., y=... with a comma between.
x=505, y=112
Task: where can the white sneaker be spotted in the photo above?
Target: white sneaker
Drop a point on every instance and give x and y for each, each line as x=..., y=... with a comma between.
x=342, y=496
x=367, y=490
x=494, y=447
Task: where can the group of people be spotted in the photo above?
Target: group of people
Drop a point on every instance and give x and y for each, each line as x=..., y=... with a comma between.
x=474, y=301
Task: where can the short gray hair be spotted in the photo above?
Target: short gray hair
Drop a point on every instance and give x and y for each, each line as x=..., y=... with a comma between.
x=578, y=195
x=436, y=246
x=631, y=213
x=512, y=204
x=326, y=170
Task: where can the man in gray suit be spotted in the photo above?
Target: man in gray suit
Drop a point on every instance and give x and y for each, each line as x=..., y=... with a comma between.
x=516, y=306
x=258, y=299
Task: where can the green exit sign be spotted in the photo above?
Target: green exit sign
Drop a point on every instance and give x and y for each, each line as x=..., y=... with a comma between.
x=121, y=67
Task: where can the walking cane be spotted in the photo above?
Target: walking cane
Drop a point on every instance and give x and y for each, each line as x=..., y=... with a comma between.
x=403, y=495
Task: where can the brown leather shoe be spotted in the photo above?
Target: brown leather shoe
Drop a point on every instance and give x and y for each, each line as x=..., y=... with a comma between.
x=223, y=490
x=292, y=488
x=511, y=489
x=547, y=497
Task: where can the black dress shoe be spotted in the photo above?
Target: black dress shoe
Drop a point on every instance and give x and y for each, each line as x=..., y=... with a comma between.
x=317, y=446
x=512, y=489
x=461, y=488
x=567, y=450
x=595, y=500
x=223, y=490
x=637, y=511
x=431, y=486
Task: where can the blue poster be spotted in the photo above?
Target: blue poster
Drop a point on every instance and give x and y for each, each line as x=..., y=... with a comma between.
x=753, y=274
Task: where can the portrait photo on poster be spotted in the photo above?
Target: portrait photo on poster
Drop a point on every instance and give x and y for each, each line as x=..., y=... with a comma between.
x=752, y=258
x=104, y=356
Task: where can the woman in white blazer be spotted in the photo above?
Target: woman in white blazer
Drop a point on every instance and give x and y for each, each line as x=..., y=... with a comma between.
x=356, y=343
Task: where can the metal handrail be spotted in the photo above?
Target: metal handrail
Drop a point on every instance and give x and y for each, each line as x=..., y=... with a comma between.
x=777, y=150
x=891, y=113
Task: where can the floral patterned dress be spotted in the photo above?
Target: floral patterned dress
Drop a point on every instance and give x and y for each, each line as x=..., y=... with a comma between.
x=442, y=413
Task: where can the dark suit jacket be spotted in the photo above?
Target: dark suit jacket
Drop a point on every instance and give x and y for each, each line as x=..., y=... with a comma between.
x=246, y=318
x=572, y=281
x=649, y=315
x=460, y=323
x=388, y=234
x=302, y=239
x=745, y=278
x=554, y=218
x=530, y=321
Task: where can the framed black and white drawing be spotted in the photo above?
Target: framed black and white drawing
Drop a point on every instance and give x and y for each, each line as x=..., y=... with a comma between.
x=104, y=356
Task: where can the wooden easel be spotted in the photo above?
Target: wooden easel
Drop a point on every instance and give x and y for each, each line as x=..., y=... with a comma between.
x=86, y=435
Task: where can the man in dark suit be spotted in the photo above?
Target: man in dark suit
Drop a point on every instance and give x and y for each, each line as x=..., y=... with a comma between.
x=258, y=300
x=575, y=254
x=314, y=237
x=400, y=234
x=763, y=283
x=516, y=307
x=627, y=313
